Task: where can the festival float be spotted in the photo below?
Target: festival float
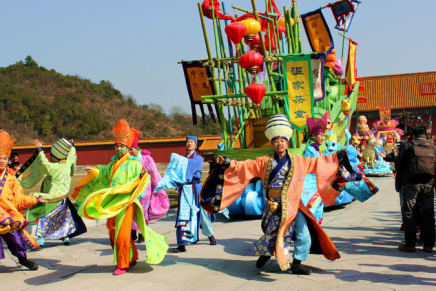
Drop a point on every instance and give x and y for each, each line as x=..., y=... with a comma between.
x=259, y=68
x=383, y=138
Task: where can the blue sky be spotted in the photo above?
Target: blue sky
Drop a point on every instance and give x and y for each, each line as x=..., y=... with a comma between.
x=136, y=44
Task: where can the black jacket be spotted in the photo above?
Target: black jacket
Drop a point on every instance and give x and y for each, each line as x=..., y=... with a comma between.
x=402, y=165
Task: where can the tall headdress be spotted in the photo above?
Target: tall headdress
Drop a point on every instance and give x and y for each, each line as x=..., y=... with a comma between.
x=61, y=148
x=135, y=143
x=6, y=144
x=278, y=126
x=124, y=134
x=315, y=125
x=326, y=122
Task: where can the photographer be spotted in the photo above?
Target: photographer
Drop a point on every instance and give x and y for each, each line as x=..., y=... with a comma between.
x=415, y=165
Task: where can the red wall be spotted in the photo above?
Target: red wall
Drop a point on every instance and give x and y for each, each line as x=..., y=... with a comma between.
x=102, y=154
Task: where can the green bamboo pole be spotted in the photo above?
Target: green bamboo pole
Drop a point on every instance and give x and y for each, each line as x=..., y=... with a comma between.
x=268, y=65
x=288, y=30
x=206, y=40
x=223, y=54
x=237, y=109
x=249, y=12
x=295, y=28
x=220, y=106
x=235, y=96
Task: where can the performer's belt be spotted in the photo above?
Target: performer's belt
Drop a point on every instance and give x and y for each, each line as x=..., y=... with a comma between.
x=275, y=193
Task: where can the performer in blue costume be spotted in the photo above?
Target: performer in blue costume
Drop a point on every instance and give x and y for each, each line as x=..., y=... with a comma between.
x=185, y=174
x=310, y=196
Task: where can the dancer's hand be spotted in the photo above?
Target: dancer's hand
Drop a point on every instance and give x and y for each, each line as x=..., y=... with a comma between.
x=37, y=143
x=88, y=169
x=220, y=160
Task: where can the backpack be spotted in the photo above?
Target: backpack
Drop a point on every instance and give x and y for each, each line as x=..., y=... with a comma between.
x=422, y=159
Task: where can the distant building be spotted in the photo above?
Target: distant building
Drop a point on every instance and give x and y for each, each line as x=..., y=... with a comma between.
x=411, y=94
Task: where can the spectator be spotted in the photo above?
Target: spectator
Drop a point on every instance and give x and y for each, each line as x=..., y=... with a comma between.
x=416, y=189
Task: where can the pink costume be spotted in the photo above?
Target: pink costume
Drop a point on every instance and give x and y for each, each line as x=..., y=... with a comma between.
x=154, y=205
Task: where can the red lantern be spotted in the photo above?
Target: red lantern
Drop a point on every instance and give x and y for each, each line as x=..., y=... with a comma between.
x=282, y=29
x=255, y=43
x=251, y=61
x=268, y=41
x=235, y=31
x=256, y=92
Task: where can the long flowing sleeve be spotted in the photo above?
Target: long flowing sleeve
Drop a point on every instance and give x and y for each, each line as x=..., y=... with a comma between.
x=228, y=181
x=21, y=201
x=159, y=202
x=180, y=172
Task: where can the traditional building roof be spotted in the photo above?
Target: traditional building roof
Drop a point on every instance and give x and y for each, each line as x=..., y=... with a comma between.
x=402, y=91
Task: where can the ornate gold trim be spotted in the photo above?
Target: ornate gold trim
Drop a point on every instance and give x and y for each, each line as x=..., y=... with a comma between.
x=284, y=201
x=267, y=173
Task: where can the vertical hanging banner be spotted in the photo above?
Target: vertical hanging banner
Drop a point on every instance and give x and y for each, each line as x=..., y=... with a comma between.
x=350, y=74
x=344, y=22
x=317, y=31
x=299, y=84
x=318, y=77
x=198, y=84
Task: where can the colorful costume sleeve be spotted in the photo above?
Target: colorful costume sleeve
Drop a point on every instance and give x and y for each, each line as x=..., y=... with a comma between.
x=13, y=200
x=332, y=173
x=232, y=175
x=34, y=171
x=155, y=204
x=96, y=180
x=125, y=187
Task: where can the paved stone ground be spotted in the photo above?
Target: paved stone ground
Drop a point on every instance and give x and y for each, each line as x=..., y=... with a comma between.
x=366, y=234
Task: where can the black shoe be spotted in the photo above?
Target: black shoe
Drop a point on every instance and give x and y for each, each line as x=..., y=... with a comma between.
x=28, y=264
x=133, y=235
x=179, y=249
x=262, y=261
x=140, y=238
x=212, y=240
x=299, y=269
x=428, y=249
x=406, y=248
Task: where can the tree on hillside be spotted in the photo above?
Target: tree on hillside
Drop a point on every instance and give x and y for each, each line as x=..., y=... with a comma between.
x=30, y=62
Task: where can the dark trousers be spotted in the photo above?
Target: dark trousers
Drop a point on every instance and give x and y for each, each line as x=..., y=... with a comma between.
x=15, y=243
x=424, y=195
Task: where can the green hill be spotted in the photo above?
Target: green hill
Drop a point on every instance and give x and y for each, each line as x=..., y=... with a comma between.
x=44, y=104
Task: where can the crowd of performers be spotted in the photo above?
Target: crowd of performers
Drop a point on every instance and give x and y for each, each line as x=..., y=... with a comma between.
x=129, y=193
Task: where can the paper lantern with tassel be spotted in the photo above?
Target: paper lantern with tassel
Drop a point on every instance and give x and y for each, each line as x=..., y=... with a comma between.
x=235, y=31
x=256, y=92
x=251, y=61
x=253, y=27
x=255, y=43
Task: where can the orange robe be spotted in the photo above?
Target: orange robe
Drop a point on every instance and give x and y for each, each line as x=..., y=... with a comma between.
x=13, y=202
x=225, y=188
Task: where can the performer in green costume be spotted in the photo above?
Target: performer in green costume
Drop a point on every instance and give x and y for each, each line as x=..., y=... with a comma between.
x=113, y=192
x=58, y=219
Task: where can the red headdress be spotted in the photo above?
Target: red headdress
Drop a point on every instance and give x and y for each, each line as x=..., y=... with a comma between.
x=6, y=144
x=124, y=134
